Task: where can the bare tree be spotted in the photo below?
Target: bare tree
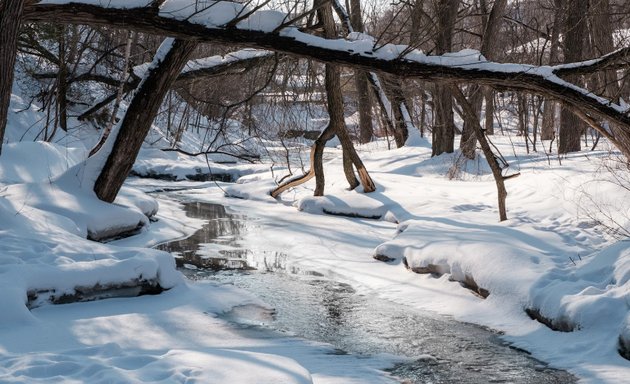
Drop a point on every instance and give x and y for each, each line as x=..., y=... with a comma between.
x=571, y=127
x=366, y=130
x=140, y=114
x=488, y=49
x=10, y=17
x=444, y=125
x=545, y=81
x=549, y=108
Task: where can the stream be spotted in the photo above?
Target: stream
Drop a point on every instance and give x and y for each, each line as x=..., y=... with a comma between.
x=310, y=306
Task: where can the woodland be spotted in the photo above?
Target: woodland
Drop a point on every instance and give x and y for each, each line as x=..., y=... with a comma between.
x=479, y=146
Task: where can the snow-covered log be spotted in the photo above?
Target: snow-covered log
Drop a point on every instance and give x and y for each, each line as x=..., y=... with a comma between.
x=268, y=30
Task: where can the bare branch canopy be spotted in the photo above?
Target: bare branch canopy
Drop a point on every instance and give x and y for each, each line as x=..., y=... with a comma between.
x=466, y=66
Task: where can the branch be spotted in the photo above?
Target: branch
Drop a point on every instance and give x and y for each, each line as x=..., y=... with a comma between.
x=194, y=70
x=450, y=68
x=594, y=65
x=244, y=156
x=538, y=32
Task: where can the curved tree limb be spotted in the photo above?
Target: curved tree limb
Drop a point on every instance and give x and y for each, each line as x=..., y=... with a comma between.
x=541, y=80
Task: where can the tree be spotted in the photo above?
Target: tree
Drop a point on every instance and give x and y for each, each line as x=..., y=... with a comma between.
x=140, y=114
x=11, y=12
x=547, y=131
x=366, y=130
x=336, y=124
x=571, y=127
x=283, y=38
x=444, y=125
x=488, y=49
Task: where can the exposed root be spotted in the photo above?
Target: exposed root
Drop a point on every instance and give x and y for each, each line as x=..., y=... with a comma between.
x=383, y=258
x=561, y=325
x=624, y=347
x=132, y=288
x=437, y=270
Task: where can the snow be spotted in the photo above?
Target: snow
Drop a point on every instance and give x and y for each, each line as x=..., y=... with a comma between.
x=177, y=166
x=46, y=213
x=452, y=226
x=523, y=263
x=554, y=255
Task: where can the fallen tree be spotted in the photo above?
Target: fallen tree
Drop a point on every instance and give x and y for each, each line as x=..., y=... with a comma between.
x=272, y=30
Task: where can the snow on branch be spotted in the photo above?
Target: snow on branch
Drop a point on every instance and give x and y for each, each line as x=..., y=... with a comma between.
x=186, y=19
x=589, y=66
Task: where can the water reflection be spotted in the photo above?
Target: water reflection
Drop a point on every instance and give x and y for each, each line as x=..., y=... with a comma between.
x=442, y=350
x=222, y=231
x=309, y=306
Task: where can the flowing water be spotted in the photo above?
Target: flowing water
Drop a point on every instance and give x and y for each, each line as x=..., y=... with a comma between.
x=307, y=305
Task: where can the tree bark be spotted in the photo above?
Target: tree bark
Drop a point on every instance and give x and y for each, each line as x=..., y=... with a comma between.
x=366, y=128
x=489, y=41
x=317, y=167
x=138, y=119
x=548, y=131
x=11, y=12
x=62, y=83
x=444, y=125
x=336, y=114
x=489, y=124
x=571, y=127
x=400, y=131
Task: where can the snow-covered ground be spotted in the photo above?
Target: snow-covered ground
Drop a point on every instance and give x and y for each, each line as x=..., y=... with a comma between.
x=558, y=256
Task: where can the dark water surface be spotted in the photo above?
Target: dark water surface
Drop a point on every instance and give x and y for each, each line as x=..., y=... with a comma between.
x=309, y=306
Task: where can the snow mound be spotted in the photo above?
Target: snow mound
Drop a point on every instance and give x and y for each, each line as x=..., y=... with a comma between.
x=44, y=258
x=351, y=204
x=51, y=159
x=176, y=166
x=580, y=294
x=503, y=260
x=111, y=363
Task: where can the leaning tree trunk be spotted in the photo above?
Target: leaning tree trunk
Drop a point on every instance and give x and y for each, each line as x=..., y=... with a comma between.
x=571, y=126
x=497, y=171
x=10, y=17
x=140, y=114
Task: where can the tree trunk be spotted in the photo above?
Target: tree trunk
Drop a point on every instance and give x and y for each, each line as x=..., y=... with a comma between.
x=335, y=112
x=366, y=128
x=400, y=131
x=571, y=127
x=443, y=132
x=317, y=167
x=489, y=40
x=10, y=17
x=489, y=125
x=62, y=81
x=548, y=131
x=317, y=160
x=444, y=127
x=497, y=172
x=138, y=119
